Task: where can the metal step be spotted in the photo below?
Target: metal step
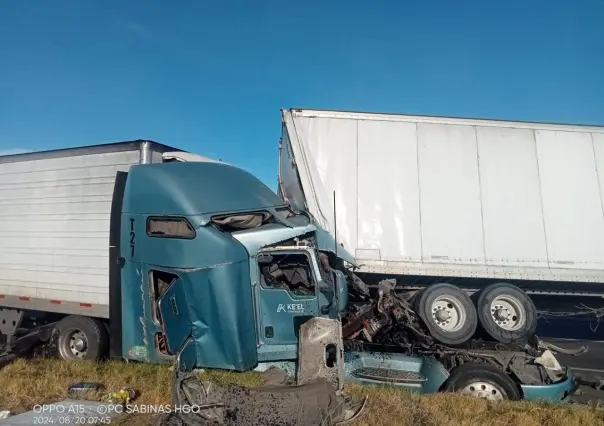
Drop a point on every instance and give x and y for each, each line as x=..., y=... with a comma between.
x=388, y=375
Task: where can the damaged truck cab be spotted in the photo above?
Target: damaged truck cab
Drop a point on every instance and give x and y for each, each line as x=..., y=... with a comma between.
x=225, y=265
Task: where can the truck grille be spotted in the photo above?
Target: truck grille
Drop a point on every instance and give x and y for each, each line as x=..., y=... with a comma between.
x=388, y=375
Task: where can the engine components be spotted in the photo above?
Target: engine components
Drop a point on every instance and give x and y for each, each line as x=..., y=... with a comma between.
x=441, y=313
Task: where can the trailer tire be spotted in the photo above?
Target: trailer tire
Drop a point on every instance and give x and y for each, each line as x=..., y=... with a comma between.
x=81, y=338
x=505, y=313
x=482, y=381
x=448, y=313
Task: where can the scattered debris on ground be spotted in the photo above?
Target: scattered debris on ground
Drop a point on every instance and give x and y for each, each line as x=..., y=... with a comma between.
x=272, y=403
x=44, y=381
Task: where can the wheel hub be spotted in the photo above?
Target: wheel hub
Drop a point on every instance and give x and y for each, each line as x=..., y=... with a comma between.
x=483, y=390
x=79, y=345
x=442, y=315
x=75, y=344
x=502, y=314
x=508, y=312
x=448, y=313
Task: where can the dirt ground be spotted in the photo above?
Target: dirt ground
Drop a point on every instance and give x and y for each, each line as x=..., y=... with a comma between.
x=26, y=383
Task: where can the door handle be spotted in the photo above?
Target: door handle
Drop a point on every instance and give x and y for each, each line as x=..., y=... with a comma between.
x=326, y=308
x=174, y=306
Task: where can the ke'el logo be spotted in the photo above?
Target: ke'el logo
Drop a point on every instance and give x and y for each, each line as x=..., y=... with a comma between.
x=281, y=307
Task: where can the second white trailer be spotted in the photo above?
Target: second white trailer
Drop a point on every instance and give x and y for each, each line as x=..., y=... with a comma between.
x=435, y=196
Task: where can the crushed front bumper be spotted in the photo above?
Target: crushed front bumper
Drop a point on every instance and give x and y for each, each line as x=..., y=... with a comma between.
x=559, y=392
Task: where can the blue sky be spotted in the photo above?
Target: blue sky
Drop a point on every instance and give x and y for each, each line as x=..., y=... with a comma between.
x=211, y=76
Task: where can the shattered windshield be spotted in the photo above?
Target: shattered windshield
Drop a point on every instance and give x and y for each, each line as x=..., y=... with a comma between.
x=250, y=220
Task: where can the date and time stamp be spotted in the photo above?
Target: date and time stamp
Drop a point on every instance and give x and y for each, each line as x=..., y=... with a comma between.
x=103, y=414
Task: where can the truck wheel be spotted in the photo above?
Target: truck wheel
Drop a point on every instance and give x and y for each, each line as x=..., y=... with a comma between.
x=81, y=338
x=448, y=313
x=506, y=313
x=482, y=381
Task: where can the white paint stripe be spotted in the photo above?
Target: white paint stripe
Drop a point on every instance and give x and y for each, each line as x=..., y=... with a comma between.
x=592, y=370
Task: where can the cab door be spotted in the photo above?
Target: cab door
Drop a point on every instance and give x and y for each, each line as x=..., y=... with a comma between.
x=288, y=296
x=176, y=321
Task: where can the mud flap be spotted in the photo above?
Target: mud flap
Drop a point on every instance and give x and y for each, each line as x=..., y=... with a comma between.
x=175, y=316
x=321, y=352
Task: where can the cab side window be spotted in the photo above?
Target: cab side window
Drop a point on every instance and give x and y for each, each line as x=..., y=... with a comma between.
x=288, y=271
x=170, y=227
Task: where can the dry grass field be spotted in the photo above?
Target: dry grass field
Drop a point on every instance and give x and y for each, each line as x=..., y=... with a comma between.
x=26, y=383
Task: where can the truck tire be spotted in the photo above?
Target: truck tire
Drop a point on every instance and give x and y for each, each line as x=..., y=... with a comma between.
x=448, y=313
x=81, y=338
x=506, y=313
x=482, y=381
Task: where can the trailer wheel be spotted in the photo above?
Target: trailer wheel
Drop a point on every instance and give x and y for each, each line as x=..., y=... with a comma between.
x=448, y=313
x=482, y=381
x=81, y=338
x=506, y=313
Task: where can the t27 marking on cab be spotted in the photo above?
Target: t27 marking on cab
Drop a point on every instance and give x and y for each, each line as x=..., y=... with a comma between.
x=290, y=307
x=132, y=235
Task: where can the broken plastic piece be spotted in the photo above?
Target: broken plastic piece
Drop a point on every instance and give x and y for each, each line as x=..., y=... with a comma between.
x=85, y=386
x=124, y=396
x=549, y=361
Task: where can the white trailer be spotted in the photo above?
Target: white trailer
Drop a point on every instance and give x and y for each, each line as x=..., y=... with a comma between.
x=449, y=197
x=55, y=210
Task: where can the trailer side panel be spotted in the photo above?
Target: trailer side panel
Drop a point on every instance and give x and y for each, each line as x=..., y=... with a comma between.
x=54, y=231
x=432, y=196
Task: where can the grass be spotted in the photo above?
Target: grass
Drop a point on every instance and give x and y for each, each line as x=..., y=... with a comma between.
x=39, y=381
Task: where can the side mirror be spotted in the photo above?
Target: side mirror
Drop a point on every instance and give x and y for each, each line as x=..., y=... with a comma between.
x=341, y=289
x=337, y=293
x=328, y=290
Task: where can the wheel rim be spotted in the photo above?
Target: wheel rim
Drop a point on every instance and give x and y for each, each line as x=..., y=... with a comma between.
x=508, y=313
x=73, y=345
x=208, y=397
x=484, y=390
x=448, y=313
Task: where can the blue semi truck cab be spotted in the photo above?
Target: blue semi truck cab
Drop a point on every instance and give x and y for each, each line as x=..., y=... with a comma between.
x=208, y=251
